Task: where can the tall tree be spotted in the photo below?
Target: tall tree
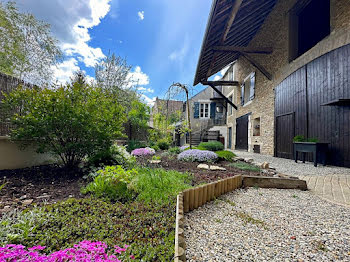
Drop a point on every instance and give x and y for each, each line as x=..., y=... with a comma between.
x=27, y=48
x=113, y=74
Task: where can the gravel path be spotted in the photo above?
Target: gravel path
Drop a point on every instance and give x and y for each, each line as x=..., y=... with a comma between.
x=289, y=167
x=268, y=225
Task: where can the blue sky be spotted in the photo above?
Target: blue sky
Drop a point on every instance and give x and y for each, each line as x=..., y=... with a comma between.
x=160, y=39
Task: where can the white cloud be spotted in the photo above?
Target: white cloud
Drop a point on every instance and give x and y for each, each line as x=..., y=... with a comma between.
x=65, y=70
x=149, y=101
x=70, y=23
x=144, y=89
x=180, y=54
x=141, y=15
x=217, y=77
x=138, y=78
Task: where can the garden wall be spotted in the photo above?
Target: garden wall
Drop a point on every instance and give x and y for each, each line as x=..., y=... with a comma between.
x=11, y=157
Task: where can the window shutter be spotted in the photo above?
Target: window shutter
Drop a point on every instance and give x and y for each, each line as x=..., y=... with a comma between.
x=212, y=109
x=252, y=86
x=242, y=94
x=196, y=110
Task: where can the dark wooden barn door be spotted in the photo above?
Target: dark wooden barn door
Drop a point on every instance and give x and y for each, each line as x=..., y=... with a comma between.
x=313, y=93
x=242, y=132
x=285, y=128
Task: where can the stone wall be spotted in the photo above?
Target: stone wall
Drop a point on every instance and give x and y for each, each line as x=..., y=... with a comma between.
x=275, y=33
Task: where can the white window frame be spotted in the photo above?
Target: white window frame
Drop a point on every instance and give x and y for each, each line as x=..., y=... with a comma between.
x=245, y=79
x=200, y=113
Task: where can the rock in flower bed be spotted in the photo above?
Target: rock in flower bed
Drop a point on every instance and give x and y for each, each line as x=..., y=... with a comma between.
x=147, y=151
x=196, y=155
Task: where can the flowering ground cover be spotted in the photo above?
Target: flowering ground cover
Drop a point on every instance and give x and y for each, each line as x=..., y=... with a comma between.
x=84, y=251
x=147, y=228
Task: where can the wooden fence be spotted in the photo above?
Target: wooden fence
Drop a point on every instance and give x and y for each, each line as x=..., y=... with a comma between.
x=7, y=84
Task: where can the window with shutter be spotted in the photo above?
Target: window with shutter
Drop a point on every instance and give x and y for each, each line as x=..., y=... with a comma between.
x=212, y=109
x=242, y=94
x=196, y=110
x=248, y=89
x=252, y=86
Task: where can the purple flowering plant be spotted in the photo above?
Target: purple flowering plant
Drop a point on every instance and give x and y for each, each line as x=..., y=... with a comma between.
x=183, y=148
x=196, y=155
x=84, y=251
x=147, y=151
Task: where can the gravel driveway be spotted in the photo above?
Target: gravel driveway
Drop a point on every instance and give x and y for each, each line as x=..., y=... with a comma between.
x=268, y=225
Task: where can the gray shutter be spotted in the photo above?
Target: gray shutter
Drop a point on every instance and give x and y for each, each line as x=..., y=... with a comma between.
x=252, y=86
x=242, y=94
x=212, y=109
x=196, y=110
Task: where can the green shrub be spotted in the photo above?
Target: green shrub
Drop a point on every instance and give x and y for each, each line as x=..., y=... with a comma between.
x=147, y=228
x=70, y=122
x=211, y=146
x=301, y=138
x=159, y=185
x=156, y=157
x=174, y=150
x=225, y=155
x=112, y=183
x=245, y=166
x=155, y=147
x=163, y=144
x=134, y=144
x=115, y=155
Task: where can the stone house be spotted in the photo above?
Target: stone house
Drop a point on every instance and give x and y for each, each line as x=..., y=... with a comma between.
x=209, y=113
x=166, y=107
x=292, y=72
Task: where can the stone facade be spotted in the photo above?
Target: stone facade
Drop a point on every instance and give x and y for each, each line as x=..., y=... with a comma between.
x=166, y=107
x=275, y=33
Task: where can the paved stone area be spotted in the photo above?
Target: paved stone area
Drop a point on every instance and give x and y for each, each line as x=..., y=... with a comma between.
x=329, y=182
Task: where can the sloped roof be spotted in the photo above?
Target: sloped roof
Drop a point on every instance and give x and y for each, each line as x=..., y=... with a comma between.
x=247, y=15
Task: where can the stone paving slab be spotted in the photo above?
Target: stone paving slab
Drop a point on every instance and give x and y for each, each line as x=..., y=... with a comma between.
x=329, y=182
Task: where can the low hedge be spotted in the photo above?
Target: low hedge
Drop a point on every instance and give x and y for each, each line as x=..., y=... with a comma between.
x=211, y=146
x=225, y=155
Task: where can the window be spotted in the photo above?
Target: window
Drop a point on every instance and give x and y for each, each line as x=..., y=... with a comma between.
x=230, y=110
x=220, y=109
x=248, y=89
x=309, y=23
x=256, y=126
x=204, y=110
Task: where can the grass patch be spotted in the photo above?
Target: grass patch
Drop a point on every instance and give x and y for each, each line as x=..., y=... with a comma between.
x=159, y=185
x=147, y=228
x=245, y=166
x=249, y=219
x=228, y=202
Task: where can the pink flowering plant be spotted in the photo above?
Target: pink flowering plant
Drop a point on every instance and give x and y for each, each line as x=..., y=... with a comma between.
x=84, y=251
x=196, y=155
x=140, y=152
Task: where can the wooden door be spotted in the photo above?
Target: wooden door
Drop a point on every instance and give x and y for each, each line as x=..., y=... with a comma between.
x=242, y=132
x=285, y=132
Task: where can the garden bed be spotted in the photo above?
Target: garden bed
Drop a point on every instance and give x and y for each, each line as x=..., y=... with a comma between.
x=200, y=176
x=38, y=185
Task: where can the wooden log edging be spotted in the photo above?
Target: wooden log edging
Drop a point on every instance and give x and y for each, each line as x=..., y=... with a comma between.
x=193, y=198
